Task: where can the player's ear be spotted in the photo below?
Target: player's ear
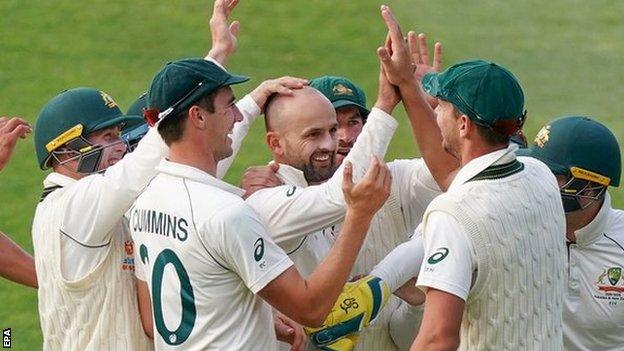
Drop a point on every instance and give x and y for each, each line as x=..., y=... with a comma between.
x=197, y=118
x=273, y=141
x=465, y=125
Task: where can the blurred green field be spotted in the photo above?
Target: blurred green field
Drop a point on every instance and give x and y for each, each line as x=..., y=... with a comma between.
x=567, y=54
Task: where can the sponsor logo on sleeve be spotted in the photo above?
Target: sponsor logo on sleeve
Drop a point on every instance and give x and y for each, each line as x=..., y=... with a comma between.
x=438, y=256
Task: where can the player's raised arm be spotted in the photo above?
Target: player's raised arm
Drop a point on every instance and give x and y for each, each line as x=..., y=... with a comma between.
x=224, y=35
x=403, y=72
x=308, y=301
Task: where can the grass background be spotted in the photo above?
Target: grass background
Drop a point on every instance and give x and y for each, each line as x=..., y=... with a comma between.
x=567, y=54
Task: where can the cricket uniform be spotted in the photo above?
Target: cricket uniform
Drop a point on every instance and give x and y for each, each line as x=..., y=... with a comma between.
x=593, y=310
x=495, y=240
x=304, y=220
x=204, y=254
x=83, y=255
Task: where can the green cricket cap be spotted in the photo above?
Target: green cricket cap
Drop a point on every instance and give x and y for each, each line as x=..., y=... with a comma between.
x=181, y=83
x=341, y=92
x=487, y=93
x=578, y=146
x=74, y=113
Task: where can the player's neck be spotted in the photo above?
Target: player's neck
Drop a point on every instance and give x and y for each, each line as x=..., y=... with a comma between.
x=473, y=150
x=190, y=154
x=580, y=219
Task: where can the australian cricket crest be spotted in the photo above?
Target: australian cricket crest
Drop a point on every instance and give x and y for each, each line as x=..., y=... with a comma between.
x=543, y=136
x=610, y=286
x=614, y=274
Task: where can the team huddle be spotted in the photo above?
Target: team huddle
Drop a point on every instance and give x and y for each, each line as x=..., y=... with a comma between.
x=484, y=243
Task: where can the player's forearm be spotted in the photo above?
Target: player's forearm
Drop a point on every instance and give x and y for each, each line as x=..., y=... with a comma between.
x=16, y=264
x=101, y=200
x=327, y=280
x=427, y=134
x=373, y=141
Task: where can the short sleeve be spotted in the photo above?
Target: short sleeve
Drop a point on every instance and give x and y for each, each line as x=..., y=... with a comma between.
x=449, y=256
x=247, y=249
x=139, y=267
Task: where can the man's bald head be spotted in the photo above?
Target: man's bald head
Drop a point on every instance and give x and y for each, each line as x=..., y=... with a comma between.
x=283, y=111
x=301, y=132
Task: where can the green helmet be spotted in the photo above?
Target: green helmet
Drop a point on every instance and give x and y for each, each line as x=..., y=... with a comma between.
x=580, y=147
x=341, y=92
x=67, y=119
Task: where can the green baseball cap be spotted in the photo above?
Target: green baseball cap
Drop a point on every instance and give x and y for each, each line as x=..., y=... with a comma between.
x=578, y=146
x=181, y=83
x=74, y=113
x=487, y=93
x=341, y=92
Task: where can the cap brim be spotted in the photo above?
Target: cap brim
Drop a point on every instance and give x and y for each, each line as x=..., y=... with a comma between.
x=342, y=103
x=431, y=84
x=127, y=121
x=235, y=79
x=205, y=89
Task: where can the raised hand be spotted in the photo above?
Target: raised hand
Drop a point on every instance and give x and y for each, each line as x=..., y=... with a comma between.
x=282, y=86
x=11, y=129
x=419, y=50
x=224, y=35
x=388, y=95
x=420, y=56
x=367, y=196
x=394, y=55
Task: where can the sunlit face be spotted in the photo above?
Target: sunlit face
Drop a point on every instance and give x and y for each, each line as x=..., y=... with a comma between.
x=310, y=143
x=113, y=147
x=222, y=122
x=350, y=124
x=448, y=122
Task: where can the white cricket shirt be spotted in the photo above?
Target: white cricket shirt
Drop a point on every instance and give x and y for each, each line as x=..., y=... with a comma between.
x=593, y=313
x=204, y=254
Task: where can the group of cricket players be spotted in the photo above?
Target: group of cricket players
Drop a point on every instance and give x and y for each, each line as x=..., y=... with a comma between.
x=484, y=243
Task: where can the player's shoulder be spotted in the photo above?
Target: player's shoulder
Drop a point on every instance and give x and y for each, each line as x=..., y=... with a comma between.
x=616, y=223
x=264, y=197
x=536, y=166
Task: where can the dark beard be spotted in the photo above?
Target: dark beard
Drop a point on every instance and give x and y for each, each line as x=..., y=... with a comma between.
x=315, y=176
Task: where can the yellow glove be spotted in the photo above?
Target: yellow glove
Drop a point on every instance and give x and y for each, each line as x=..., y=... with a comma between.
x=357, y=307
x=345, y=344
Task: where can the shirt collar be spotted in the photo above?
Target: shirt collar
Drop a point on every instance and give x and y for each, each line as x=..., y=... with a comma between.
x=592, y=231
x=291, y=175
x=197, y=175
x=477, y=165
x=57, y=179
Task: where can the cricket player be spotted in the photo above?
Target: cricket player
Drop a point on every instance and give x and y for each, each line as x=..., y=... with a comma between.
x=83, y=252
x=303, y=220
x=205, y=254
x=494, y=258
x=15, y=263
x=585, y=157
